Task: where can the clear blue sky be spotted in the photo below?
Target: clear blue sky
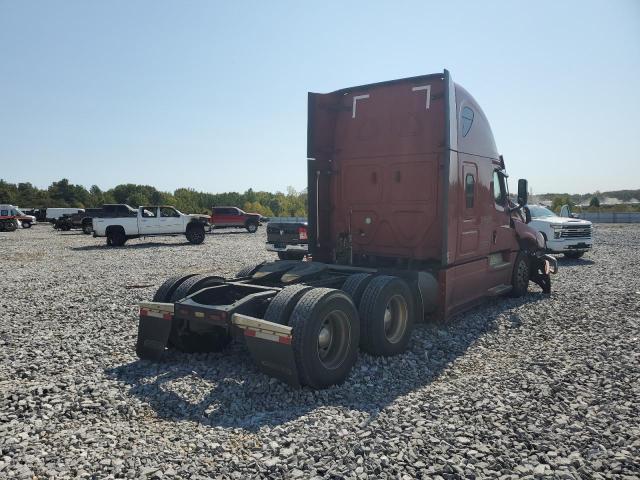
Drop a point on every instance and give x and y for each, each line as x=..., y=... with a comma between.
x=212, y=95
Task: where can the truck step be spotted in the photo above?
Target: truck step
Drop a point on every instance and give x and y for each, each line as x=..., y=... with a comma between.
x=499, y=290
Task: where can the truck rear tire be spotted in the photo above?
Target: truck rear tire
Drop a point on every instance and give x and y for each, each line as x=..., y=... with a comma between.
x=355, y=285
x=116, y=237
x=325, y=337
x=163, y=294
x=195, y=234
x=212, y=338
x=248, y=270
x=386, y=316
x=291, y=255
x=193, y=284
x=520, y=276
x=87, y=228
x=26, y=224
x=281, y=306
x=252, y=227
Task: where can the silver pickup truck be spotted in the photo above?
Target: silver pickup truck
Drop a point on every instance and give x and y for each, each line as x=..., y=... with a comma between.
x=148, y=221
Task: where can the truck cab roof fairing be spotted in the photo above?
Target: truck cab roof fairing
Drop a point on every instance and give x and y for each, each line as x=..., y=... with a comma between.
x=474, y=135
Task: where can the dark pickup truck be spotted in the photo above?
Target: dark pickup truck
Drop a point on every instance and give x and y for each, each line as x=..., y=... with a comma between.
x=288, y=237
x=80, y=220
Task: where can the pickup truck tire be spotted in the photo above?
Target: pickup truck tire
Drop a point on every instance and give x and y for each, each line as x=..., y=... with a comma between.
x=386, y=316
x=355, y=285
x=163, y=294
x=26, y=224
x=291, y=255
x=195, y=233
x=520, y=276
x=65, y=228
x=251, y=226
x=7, y=226
x=87, y=228
x=325, y=335
x=574, y=255
x=116, y=237
x=248, y=270
x=193, y=284
x=281, y=306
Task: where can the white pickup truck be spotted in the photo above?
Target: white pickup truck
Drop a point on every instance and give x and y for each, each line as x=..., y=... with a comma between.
x=148, y=221
x=570, y=236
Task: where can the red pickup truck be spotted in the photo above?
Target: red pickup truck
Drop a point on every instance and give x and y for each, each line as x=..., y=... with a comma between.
x=233, y=217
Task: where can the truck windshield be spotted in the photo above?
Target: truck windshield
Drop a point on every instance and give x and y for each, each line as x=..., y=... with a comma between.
x=538, y=212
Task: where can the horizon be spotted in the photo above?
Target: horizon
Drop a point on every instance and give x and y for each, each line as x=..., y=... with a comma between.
x=215, y=95
x=284, y=190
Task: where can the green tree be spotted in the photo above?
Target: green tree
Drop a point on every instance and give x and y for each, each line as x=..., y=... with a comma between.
x=594, y=202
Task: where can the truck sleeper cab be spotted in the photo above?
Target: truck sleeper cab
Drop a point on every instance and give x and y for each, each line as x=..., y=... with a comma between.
x=409, y=218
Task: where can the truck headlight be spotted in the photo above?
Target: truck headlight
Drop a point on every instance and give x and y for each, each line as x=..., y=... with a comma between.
x=557, y=230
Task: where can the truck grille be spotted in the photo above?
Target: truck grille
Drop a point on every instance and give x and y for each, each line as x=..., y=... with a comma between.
x=582, y=231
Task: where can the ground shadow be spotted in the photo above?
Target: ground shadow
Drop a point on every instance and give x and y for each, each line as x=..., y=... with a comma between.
x=230, y=232
x=574, y=262
x=227, y=389
x=130, y=246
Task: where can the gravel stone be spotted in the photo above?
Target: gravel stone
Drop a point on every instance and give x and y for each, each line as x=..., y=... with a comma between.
x=536, y=387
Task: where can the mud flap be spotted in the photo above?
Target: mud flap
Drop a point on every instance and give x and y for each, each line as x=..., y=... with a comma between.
x=270, y=346
x=542, y=268
x=154, y=327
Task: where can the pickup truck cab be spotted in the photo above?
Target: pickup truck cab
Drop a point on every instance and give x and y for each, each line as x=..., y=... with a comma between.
x=147, y=221
x=567, y=235
x=233, y=217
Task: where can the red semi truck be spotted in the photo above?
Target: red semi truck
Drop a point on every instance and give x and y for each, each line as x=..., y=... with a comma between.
x=409, y=219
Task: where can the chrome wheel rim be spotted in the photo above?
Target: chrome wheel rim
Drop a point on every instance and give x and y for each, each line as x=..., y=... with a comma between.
x=396, y=315
x=333, y=339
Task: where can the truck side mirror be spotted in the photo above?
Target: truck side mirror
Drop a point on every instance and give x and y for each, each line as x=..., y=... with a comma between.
x=523, y=191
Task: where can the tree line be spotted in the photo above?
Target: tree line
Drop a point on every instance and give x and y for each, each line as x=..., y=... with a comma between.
x=65, y=194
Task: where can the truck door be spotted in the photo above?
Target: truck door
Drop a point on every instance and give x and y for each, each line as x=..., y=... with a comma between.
x=170, y=220
x=470, y=216
x=148, y=222
x=502, y=239
x=223, y=216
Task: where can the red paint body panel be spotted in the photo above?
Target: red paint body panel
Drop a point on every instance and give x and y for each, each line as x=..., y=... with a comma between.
x=408, y=170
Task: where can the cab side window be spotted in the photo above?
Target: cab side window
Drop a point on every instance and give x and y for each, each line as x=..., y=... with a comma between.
x=168, y=212
x=499, y=193
x=149, y=212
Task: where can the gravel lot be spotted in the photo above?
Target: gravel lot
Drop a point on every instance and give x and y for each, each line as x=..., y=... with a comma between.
x=539, y=387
